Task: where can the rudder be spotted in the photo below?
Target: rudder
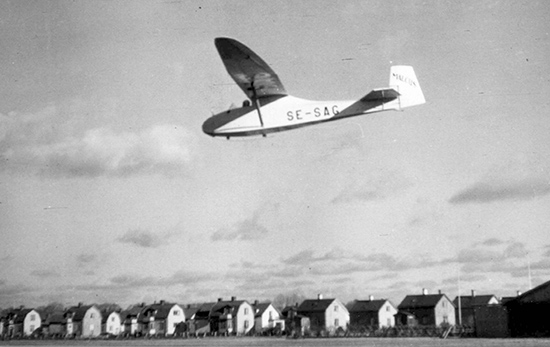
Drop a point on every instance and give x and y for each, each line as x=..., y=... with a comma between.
x=403, y=79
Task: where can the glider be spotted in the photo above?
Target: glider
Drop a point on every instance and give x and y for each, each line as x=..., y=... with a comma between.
x=270, y=108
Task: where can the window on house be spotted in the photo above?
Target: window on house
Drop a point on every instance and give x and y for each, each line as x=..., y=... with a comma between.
x=387, y=308
x=389, y=322
x=246, y=310
x=32, y=327
x=32, y=317
x=112, y=319
x=246, y=324
x=336, y=322
x=443, y=303
x=91, y=315
x=335, y=308
x=445, y=319
x=176, y=313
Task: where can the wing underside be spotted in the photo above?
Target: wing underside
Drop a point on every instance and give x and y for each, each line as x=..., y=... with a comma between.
x=248, y=70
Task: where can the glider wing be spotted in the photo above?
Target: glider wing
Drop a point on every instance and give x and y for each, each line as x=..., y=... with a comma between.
x=249, y=71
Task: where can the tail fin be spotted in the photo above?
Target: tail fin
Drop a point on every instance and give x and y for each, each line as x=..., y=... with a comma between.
x=403, y=79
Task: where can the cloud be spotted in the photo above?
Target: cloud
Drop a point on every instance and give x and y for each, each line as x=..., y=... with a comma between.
x=246, y=230
x=30, y=143
x=45, y=273
x=491, y=192
x=492, y=242
x=144, y=238
x=377, y=188
x=85, y=258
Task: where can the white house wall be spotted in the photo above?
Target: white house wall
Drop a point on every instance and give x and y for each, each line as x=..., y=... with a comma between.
x=386, y=315
x=175, y=316
x=336, y=312
x=31, y=323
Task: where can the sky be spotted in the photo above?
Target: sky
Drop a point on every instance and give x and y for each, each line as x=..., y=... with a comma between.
x=110, y=192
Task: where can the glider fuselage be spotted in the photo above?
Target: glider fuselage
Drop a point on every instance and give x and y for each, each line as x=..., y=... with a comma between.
x=280, y=113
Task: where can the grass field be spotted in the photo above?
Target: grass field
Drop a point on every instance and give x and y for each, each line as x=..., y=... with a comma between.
x=280, y=342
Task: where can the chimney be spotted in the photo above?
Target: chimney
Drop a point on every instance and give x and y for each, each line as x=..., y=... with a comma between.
x=79, y=304
x=219, y=299
x=233, y=298
x=256, y=302
x=188, y=305
x=473, y=292
x=439, y=291
x=142, y=304
x=371, y=297
x=424, y=291
x=319, y=296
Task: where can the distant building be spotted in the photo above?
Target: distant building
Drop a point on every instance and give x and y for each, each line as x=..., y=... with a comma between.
x=111, y=323
x=469, y=305
x=267, y=317
x=129, y=320
x=426, y=309
x=83, y=321
x=202, y=324
x=325, y=314
x=528, y=313
x=231, y=317
x=372, y=313
x=54, y=325
x=161, y=318
x=22, y=322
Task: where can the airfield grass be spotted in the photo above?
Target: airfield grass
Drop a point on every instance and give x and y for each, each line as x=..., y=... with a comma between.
x=282, y=342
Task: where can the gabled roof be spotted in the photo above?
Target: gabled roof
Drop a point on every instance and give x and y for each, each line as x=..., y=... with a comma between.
x=204, y=310
x=20, y=314
x=233, y=305
x=367, y=305
x=159, y=311
x=106, y=314
x=538, y=294
x=190, y=311
x=132, y=312
x=78, y=312
x=315, y=305
x=260, y=308
x=473, y=301
x=421, y=301
x=55, y=318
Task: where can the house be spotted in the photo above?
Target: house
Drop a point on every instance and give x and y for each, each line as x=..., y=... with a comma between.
x=528, y=312
x=54, y=325
x=201, y=323
x=232, y=317
x=295, y=324
x=130, y=320
x=267, y=317
x=325, y=314
x=111, y=322
x=161, y=318
x=372, y=313
x=426, y=309
x=467, y=306
x=83, y=321
x=22, y=322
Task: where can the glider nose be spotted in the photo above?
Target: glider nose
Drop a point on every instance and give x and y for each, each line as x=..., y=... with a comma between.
x=209, y=126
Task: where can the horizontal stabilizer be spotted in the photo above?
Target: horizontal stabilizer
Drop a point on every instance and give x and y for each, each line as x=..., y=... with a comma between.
x=382, y=94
